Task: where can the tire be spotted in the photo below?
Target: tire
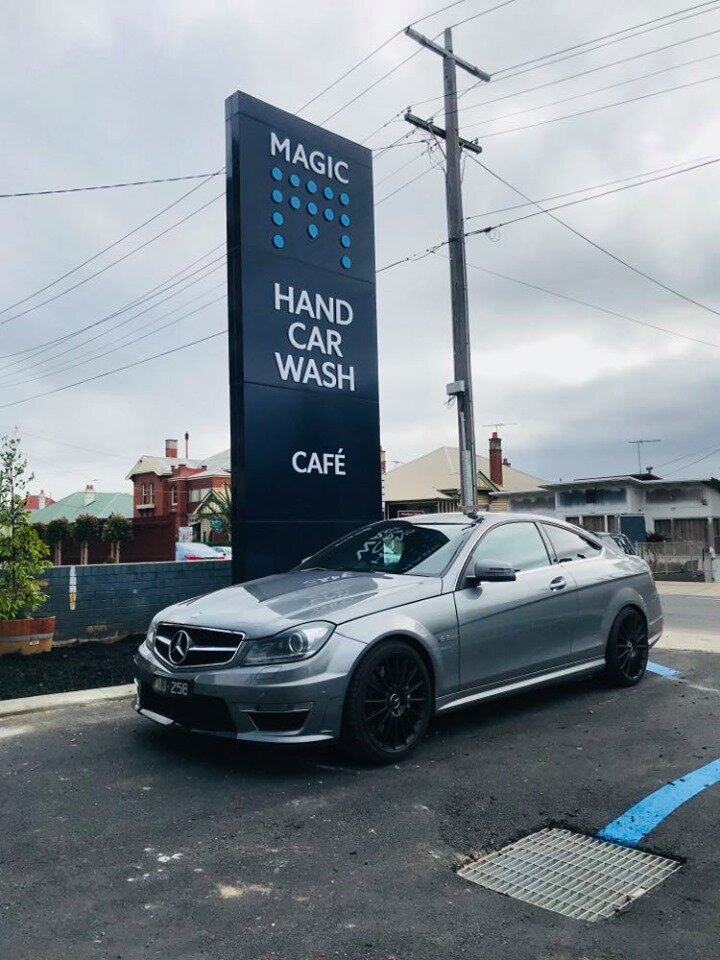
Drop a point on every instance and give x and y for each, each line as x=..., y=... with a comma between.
x=627, y=650
x=389, y=703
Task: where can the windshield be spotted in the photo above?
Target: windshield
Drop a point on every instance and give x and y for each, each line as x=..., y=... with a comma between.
x=395, y=546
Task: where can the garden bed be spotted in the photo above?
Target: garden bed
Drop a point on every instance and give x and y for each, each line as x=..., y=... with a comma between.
x=79, y=667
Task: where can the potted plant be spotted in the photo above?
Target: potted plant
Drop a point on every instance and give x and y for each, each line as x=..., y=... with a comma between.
x=116, y=529
x=86, y=528
x=23, y=559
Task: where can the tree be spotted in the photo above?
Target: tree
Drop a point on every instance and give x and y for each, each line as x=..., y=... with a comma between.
x=86, y=528
x=116, y=529
x=57, y=532
x=23, y=555
x=223, y=508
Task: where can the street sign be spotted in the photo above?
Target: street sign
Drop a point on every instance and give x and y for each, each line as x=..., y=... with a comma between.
x=303, y=343
x=184, y=534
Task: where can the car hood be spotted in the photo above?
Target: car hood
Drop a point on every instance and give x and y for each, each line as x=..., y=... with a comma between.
x=261, y=608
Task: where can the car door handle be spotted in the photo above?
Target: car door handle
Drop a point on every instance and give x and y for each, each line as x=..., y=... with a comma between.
x=559, y=583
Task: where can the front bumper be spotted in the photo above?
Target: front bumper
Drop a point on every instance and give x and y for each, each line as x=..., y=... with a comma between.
x=284, y=703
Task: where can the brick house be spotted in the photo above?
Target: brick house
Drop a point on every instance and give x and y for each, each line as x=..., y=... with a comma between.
x=175, y=486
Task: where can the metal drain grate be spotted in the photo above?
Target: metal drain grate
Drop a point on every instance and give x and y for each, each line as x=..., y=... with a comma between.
x=578, y=876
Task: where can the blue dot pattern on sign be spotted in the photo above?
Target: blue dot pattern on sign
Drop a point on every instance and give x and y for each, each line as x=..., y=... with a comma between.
x=312, y=231
x=278, y=219
x=345, y=219
x=276, y=173
x=312, y=208
x=345, y=240
x=346, y=262
x=294, y=180
x=344, y=199
x=328, y=193
x=278, y=241
x=311, y=186
x=295, y=203
x=328, y=214
x=277, y=196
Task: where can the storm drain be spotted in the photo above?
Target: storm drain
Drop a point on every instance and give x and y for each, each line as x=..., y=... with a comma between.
x=569, y=873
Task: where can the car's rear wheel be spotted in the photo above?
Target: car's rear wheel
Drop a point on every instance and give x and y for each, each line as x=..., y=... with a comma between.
x=389, y=703
x=627, y=649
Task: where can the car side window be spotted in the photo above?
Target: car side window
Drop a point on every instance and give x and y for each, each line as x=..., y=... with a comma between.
x=518, y=544
x=569, y=545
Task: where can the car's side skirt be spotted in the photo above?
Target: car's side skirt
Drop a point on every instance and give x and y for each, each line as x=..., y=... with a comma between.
x=590, y=666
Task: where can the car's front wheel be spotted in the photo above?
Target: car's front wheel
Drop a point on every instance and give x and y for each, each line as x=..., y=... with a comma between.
x=627, y=649
x=389, y=703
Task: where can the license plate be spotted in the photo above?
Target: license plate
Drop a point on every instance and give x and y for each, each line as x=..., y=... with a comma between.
x=167, y=687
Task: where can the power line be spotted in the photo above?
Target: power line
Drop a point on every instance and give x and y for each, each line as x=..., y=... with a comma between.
x=157, y=290
x=596, y=186
x=585, y=73
x=699, y=460
x=107, y=373
x=572, y=203
x=508, y=76
x=605, y=106
x=590, y=93
x=74, y=446
x=598, y=246
x=482, y=13
x=121, y=346
x=594, y=306
x=107, y=186
x=110, y=246
x=685, y=456
x=104, y=333
x=112, y=263
x=617, y=33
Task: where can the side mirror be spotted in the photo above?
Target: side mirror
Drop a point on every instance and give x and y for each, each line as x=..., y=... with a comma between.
x=491, y=571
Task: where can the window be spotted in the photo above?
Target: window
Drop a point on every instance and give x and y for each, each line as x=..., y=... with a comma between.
x=395, y=546
x=663, y=528
x=146, y=494
x=173, y=495
x=594, y=524
x=575, y=520
x=518, y=544
x=569, y=545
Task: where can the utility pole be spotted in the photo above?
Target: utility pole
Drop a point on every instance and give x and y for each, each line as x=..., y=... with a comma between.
x=639, y=444
x=461, y=388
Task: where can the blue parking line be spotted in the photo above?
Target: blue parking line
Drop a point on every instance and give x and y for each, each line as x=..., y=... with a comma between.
x=662, y=670
x=630, y=827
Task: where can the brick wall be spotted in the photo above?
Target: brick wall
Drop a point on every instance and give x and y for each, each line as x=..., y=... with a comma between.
x=114, y=600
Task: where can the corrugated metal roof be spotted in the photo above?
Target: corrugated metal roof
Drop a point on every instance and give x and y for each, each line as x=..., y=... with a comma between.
x=72, y=506
x=163, y=465
x=435, y=476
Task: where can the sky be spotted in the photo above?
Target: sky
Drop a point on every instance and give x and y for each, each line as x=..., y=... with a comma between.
x=97, y=92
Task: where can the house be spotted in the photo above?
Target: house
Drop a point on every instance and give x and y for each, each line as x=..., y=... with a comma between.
x=38, y=501
x=175, y=486
x=686, y=511
x=431, y=483
x=87, y=501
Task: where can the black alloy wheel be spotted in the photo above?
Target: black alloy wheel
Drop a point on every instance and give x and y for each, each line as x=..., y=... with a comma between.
x=627, y=649
x=389, y=702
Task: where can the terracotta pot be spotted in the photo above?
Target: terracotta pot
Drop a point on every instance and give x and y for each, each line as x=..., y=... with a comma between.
x=33, y=635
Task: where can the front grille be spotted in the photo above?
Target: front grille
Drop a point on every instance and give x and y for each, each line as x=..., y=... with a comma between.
x=206, y=647
x=198, y=712
x=286, y=721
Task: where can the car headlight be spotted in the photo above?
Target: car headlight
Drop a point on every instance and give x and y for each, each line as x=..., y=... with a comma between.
x=150, y=636
x=299, y=643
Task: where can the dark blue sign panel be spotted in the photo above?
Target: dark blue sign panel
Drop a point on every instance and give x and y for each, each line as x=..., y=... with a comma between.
x=303, y=343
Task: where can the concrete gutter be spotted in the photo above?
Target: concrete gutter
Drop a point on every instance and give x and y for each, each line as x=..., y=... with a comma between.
x=75, y=698
x=677, y=588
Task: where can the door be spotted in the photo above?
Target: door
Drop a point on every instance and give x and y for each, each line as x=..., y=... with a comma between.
x=596, y=578
x=510, y=630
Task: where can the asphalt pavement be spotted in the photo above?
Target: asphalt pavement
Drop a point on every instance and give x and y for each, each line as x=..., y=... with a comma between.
x=122, y=840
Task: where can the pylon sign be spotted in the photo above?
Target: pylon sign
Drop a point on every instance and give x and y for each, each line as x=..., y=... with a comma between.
x=304, y=415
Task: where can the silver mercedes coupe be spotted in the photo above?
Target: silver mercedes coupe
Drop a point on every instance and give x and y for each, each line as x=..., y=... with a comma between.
x=371, y=637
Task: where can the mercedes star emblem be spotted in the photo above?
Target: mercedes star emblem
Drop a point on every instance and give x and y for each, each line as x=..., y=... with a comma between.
x=180, y=643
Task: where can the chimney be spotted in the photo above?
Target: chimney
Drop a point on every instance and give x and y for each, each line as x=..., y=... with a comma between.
x=42, y=499
x=187, y=446
x=171, y=449
x=89, y=494
x=496, y=459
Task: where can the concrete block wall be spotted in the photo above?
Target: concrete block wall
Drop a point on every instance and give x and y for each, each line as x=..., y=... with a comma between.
x=110, y=601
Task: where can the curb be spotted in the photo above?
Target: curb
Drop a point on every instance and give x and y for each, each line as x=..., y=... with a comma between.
x=74, y=698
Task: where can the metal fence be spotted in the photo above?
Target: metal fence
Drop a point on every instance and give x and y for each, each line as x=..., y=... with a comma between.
x=679, y=560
